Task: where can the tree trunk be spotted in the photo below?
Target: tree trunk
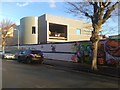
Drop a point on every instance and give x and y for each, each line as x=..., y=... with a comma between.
x=94, y=61
x=3, y=45
x=95, y=40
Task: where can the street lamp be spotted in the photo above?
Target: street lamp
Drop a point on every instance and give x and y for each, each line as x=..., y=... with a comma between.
x=18, y=40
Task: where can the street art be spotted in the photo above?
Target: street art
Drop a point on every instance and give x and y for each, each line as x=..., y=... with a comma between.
x=83, y=52
x=108, y=52
x=101, y=55
x=112, y=49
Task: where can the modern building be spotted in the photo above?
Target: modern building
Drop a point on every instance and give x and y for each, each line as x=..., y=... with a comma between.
x=115, y=37
x=48, y=28
x=59, y=29
x=29, y=30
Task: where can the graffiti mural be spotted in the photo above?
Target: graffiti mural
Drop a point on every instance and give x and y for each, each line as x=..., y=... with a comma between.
x=112, y=48
x=108, y=52
x=101, y=53
x=83, y=52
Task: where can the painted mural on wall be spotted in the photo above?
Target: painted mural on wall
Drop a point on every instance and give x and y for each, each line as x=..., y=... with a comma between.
x=112, y=49
x=108, y=52
x=101, y=56
x=83, y=52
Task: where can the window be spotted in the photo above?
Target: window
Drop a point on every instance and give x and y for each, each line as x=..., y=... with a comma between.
x=57, y=30
x=33, y=30
x=78, y=31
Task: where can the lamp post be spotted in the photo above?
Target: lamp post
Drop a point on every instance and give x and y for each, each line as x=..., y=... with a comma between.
x=18, y=40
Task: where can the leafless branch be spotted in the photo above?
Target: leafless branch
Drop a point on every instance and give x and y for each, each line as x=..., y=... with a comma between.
x=109, y=12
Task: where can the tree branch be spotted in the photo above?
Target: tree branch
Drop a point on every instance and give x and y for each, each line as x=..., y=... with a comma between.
x=91, y=3
x=108, y=4
x=107, y=15
x=80, y=10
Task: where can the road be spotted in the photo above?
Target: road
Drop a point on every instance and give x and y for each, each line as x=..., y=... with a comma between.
x=18, y=75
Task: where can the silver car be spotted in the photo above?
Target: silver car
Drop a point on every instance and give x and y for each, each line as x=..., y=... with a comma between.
x=9, y=56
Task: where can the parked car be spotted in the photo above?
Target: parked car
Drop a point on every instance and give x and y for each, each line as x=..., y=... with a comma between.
x=29, y=56
x=8, y=55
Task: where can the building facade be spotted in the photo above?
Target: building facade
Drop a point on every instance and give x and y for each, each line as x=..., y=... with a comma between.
x=60, y=29
x=48, y=28
x=29, y=30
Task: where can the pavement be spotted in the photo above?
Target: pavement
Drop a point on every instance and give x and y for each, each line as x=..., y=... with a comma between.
x=111, y=71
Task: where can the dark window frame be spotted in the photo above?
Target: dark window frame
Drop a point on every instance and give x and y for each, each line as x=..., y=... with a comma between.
x=33, y=30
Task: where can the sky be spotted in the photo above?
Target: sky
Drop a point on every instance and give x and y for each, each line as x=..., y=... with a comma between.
x=17, y=9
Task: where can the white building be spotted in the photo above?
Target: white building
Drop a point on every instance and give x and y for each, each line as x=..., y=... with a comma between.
x=49, y=28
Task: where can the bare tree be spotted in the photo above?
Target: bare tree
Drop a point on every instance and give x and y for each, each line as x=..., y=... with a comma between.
x=98, y=11
x=6, y=27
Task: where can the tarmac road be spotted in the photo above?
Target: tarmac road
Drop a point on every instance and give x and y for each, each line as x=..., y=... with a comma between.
x=18, y=75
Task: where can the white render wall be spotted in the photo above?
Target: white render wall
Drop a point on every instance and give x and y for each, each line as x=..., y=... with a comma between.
x=72, y=25
x=63, y=52
x=26, y=24
x=57, y=56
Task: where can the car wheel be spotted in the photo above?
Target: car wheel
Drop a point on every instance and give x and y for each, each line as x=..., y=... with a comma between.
x=18, y=59
x=2, y=56
x=40, y=62
x=28, y=60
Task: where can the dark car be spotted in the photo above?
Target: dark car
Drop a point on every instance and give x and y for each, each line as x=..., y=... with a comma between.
x=30, y=56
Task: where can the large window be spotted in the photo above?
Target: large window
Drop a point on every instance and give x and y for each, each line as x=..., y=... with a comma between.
x=57, y=30
x=33, y=30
